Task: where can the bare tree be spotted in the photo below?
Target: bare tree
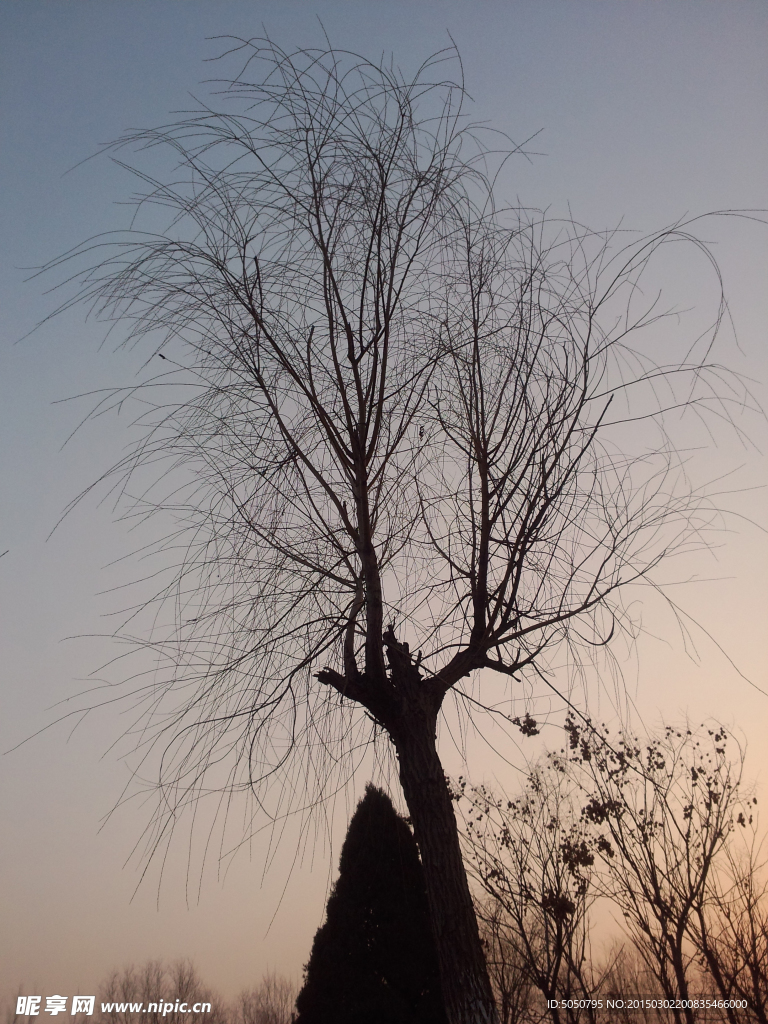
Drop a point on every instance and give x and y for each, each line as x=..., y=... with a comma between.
x=271, y=1002
x=731, y=932
x=662, y=810
x=159, y=991
x=533, y=859
x=512, y=988
x=628, y=979
x=155, y=992
x=395, y=440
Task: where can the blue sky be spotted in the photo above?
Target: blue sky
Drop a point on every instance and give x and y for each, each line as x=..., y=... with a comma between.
x=643, y=111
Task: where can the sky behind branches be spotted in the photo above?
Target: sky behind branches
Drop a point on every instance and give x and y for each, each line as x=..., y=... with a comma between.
x=637, y=113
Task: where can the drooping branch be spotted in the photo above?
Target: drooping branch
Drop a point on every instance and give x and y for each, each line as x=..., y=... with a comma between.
x=389, y=403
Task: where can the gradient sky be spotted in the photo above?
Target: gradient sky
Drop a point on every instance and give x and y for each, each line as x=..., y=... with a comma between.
x=646, y=111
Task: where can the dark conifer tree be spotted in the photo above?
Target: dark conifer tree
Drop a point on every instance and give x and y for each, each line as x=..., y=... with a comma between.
x=374, y=959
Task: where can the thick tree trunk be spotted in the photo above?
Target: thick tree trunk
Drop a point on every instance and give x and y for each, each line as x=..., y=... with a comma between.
x=466, y=985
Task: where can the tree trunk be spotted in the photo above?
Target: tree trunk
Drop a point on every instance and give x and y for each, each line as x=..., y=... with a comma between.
x=463, y=971
x=678, y=966
x=701, y=937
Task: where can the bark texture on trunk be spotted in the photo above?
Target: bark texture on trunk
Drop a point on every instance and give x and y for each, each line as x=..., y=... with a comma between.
x=464, y=974
x=406, y=704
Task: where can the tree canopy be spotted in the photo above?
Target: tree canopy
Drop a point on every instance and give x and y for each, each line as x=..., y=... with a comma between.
x=412, y=438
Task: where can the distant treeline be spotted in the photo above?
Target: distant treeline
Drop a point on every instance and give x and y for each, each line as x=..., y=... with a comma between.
x=125, y=995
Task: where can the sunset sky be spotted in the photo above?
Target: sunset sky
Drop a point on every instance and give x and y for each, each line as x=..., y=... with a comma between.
x=643, y=111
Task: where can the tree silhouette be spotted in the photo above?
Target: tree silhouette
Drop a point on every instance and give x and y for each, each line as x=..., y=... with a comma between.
x=661, y=828
x=732, y=921
x=661, y=810
x=374, y=958
x=530, y=857
x=395, y=439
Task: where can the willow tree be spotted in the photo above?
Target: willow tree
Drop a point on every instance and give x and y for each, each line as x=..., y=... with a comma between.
x=391, y=431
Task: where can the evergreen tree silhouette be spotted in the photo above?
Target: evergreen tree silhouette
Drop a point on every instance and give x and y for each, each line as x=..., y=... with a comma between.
x=374, y=959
